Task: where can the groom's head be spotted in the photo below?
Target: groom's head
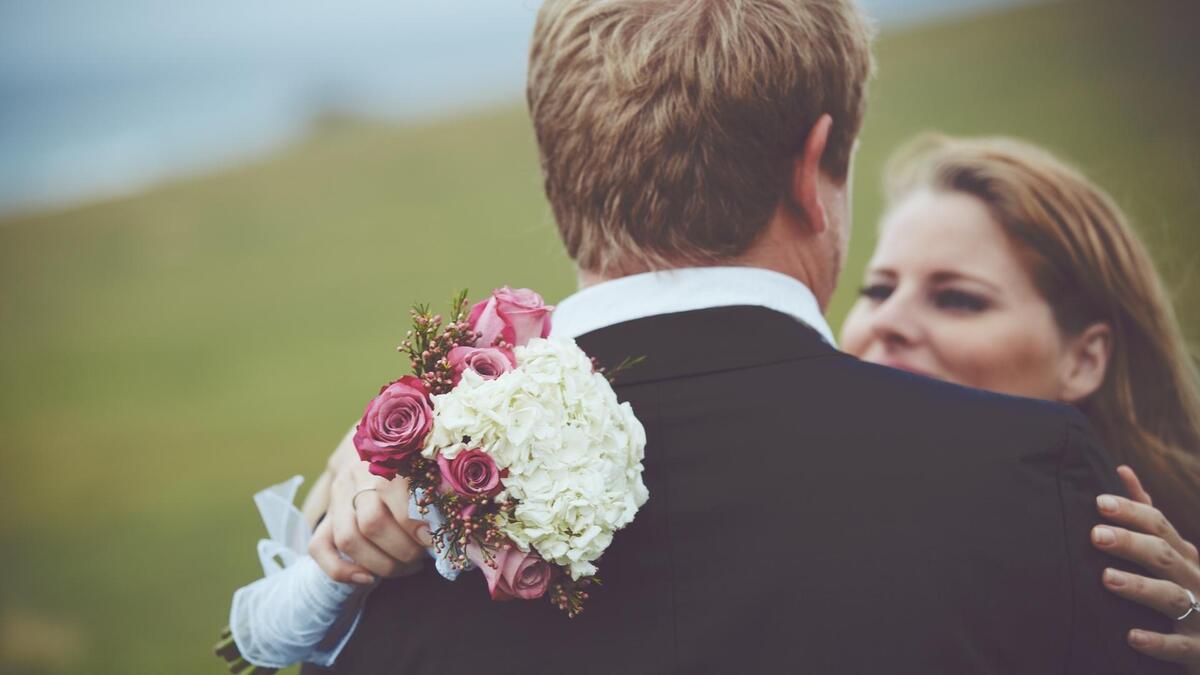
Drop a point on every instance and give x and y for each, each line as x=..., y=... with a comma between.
x=677, y=132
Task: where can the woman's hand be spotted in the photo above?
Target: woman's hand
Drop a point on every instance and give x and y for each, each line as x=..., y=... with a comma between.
x=1152, y=542
x=366, y=520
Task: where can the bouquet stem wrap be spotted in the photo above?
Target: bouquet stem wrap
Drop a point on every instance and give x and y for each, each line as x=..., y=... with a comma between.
x=295, y=613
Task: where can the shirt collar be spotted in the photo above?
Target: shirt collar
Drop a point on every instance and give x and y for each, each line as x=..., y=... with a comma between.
x=683, y=290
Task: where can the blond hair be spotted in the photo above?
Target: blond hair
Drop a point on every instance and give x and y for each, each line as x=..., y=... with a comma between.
x=667, y=128
x=1090, y=267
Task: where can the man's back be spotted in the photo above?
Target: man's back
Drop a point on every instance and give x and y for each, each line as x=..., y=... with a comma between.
x=808, y=513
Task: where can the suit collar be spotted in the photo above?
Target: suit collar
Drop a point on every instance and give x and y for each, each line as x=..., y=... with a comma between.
x=675, y=291
x=703, y=341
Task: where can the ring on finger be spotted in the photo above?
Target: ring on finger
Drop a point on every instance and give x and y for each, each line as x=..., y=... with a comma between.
x=1195, y=606
x=354, y=499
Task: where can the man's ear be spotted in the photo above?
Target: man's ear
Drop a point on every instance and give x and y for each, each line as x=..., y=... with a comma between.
x=1086, y=362
x=806, y=177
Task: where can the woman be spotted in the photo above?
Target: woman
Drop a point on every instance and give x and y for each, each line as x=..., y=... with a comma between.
x=1001, y=268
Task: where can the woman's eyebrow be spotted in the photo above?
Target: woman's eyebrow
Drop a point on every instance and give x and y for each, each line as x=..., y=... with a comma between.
x=942, y=276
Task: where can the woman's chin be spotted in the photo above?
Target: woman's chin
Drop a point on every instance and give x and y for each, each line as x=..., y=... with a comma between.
x=900, y=364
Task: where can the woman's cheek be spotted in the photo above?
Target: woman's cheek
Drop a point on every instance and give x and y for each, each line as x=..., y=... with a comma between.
x=1004, y=357
x=854, y=336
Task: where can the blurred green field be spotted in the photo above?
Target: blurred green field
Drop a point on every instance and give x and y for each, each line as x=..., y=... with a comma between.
x=164, y=356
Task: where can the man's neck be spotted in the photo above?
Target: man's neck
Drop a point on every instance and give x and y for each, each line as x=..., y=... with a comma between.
x=585, y=278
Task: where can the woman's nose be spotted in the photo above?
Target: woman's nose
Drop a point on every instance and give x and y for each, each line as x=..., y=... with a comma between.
x=895, y=321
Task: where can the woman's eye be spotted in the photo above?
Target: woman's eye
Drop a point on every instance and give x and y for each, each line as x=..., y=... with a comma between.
x=959, y=301
x=877, y=292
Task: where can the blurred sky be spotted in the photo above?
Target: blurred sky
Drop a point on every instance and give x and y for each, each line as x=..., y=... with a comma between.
x=102, y=97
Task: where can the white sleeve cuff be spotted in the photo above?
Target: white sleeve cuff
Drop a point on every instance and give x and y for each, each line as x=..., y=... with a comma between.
x=296, y=615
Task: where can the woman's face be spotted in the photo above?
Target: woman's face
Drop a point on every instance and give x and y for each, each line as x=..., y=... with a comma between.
x=947, y=296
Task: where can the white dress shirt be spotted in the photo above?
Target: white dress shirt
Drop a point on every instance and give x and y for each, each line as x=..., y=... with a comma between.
x=682, y=290
x=296, y=613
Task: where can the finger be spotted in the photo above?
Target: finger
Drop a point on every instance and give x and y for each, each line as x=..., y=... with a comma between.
x=1133, y=485
x=377, y=523
x=1164, y=597
x=323, y=552
x=395, y=495
x=346, y=535
x=1148, y=551
x=1143, y=518
x=1177, y=648
x=352, y=543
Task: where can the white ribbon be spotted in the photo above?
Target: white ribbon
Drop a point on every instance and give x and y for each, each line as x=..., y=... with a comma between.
x=435, y=519
x=296, y=613
x=286, y=527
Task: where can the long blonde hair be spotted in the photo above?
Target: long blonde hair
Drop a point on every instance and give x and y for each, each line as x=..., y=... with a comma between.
x=1091, y=267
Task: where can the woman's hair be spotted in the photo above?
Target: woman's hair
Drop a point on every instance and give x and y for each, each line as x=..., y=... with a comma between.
x=1090, y=267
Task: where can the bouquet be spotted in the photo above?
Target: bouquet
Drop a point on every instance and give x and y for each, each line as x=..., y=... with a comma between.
x=516, y=440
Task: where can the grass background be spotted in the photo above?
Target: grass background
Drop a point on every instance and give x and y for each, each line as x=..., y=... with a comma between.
x=164, y=356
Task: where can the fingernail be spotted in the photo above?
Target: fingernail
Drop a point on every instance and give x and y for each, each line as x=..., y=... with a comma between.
x=424, y=535
x=1107, y=503
x=362, y=578
x=1114, y=578
x=1103, y=536
x=1139, y=638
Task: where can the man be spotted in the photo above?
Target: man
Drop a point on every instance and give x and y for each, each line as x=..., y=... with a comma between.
x=808, y=512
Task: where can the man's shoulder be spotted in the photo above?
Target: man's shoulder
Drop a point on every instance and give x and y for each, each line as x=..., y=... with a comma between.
x=884, y=397
x=918, y=393
x=782, y=366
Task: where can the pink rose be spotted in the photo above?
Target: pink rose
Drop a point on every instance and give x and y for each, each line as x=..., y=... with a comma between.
x=516, y=315
x=470, y=473
x=489, y=362
x=394, y=426
x=513, y=574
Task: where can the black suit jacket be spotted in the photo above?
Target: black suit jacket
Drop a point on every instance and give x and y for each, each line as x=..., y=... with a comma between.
x=808, y=513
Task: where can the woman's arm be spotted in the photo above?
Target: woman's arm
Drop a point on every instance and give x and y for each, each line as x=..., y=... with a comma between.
x=1152, y=542
x=316, y=502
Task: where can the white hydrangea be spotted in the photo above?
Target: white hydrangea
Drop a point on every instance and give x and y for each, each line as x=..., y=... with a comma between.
x=573, y=453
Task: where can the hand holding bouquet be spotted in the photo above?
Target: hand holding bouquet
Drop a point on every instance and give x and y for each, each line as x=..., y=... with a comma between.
x=517, y=440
